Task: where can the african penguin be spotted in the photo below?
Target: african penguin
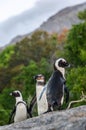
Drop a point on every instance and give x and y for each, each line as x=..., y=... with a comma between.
x=20, y=111
x=56, y=85
x=42, y=105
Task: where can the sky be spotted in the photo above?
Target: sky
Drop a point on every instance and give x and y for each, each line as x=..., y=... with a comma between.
x=18, y=17
x=10, y=8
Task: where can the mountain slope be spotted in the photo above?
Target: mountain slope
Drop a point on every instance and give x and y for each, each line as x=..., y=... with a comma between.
x=63, y=19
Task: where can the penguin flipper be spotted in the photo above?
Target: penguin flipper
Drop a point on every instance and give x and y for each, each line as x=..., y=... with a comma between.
x=32, y=103
x=29, y=112
x=67, y=93
x=12, y=115
x=48, y=110
x=45, y=87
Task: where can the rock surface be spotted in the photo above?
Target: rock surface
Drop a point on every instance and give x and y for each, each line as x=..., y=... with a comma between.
x=72, y=119
x=63, y=19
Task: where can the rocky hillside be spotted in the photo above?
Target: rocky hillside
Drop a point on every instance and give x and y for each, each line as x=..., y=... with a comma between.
x=73, y=119
x=63, y=19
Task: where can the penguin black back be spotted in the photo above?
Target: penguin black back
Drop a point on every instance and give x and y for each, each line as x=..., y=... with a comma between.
x=55, y=87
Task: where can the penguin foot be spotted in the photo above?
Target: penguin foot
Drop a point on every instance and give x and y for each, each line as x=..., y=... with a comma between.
x=46, y=112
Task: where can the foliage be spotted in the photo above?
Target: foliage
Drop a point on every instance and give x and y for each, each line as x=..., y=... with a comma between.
x=39, y=44
x=62, y=36
x=76, y=45
x=6, y=55
x=3, y=116
x=82, y=15
x=76, y=82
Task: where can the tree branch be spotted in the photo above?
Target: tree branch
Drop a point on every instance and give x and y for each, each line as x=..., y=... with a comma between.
x=83, y=98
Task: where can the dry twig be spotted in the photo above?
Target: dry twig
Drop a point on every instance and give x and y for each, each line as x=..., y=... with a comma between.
x=83, y=98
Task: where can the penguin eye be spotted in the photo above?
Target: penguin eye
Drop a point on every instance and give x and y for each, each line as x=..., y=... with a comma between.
x=39, y=78
x=17, y=94
x=65, y=63
x=62, y=63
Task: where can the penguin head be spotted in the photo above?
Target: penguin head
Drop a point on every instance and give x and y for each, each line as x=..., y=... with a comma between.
x=61, y=63
x=40, y=78
x=16, y=94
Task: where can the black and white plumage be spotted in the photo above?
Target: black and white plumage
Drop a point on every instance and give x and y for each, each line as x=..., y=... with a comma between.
x=56, y=85
x=42, y=105
x=20, y=111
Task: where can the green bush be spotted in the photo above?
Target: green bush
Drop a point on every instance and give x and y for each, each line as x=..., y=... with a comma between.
x=76, y=81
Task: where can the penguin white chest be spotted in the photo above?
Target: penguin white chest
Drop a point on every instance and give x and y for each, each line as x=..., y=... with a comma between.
x=62, y=99
x=21, y=113
x=42, y=103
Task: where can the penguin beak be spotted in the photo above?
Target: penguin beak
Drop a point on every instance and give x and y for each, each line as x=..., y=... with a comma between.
x=15, y=94
x=34, y=77
x=10, y=94
x=69, y=66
